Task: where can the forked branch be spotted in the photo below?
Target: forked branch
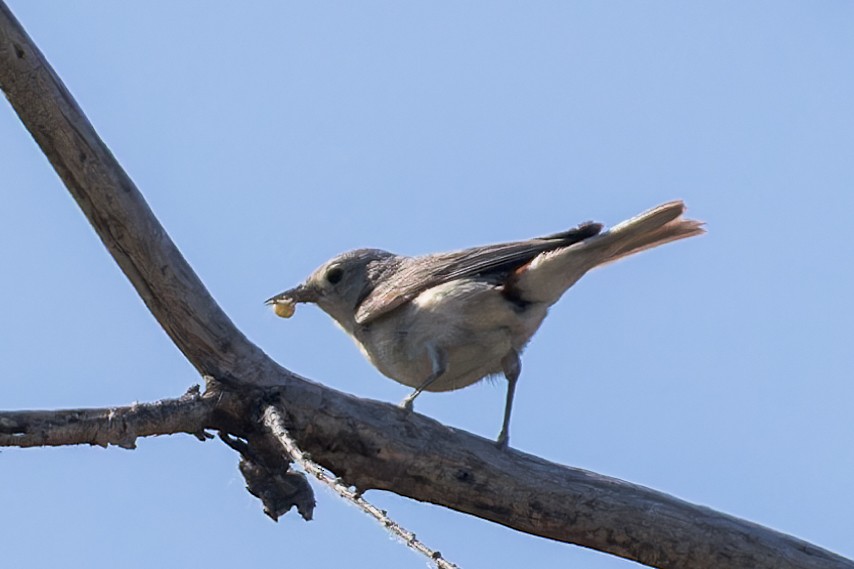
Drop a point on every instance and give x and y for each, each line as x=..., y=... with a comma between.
x=367, y=444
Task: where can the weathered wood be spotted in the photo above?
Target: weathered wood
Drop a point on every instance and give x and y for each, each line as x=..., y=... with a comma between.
x=369, y=444
x=373, y=445
x=120, y=215
x=119, y=426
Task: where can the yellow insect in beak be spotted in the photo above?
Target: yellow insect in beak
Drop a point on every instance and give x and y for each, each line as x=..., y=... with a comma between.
x=284, y=308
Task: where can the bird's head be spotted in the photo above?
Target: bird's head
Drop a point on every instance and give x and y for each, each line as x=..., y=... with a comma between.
x=338, y=286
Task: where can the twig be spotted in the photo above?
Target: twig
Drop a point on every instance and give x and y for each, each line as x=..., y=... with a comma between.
x=273, y=420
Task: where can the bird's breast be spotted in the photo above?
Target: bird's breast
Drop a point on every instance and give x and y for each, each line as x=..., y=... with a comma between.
x=469, y=322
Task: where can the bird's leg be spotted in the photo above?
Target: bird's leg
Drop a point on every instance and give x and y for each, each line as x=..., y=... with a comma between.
x=438, y=363
x=512, y=366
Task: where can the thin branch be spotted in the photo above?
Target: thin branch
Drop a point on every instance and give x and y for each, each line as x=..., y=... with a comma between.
x=119, y=426
x=368, y=444
x=274, y=421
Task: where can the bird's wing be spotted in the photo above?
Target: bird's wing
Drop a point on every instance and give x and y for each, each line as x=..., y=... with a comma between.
x=418, y=274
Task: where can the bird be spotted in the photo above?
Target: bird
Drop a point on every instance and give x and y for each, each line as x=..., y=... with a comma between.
x=444, y=321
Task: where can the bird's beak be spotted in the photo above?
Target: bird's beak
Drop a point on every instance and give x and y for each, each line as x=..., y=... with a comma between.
x=284, y=303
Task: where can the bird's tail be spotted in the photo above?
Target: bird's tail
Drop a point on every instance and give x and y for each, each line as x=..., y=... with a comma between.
x=546, y=278
x=649, y=229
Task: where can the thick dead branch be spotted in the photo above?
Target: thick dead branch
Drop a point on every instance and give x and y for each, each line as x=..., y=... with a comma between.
x=119, y=214
x=374, y=445
x=368, y=444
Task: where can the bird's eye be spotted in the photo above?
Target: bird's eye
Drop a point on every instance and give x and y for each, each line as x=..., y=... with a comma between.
x=333, y=275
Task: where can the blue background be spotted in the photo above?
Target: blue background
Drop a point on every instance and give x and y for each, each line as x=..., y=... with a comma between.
x=268, y=137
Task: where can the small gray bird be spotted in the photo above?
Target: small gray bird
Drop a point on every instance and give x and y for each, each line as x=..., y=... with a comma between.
x=445, y=321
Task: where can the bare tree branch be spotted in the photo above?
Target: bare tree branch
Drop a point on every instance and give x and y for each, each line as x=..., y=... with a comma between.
x=118, y=426
x=120, y=216
x=368, y=444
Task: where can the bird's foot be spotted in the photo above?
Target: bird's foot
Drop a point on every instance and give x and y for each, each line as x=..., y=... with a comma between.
x=503, y=440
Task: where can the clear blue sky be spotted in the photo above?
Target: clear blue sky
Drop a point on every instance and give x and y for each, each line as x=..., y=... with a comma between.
x=268, y=137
